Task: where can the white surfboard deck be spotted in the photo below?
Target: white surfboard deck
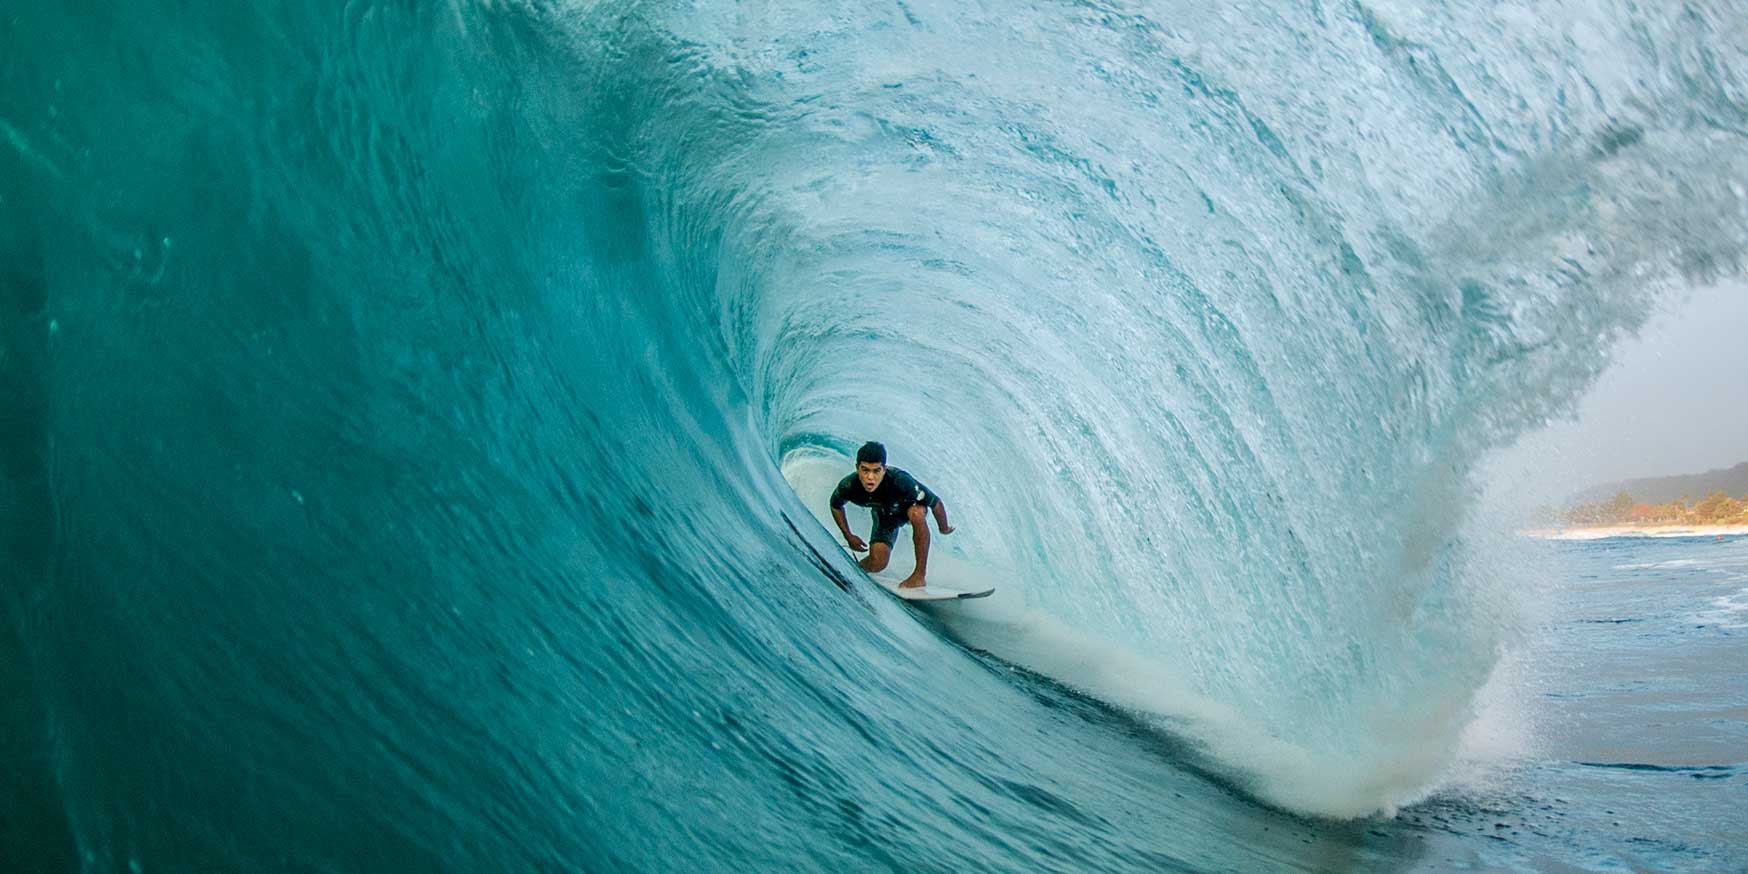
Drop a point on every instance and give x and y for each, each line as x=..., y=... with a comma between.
x=932, y=593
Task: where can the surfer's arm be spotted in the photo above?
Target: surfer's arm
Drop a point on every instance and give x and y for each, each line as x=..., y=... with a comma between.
x=940, y=510
x=926, y=497
x=844, y=529
x=840, y=497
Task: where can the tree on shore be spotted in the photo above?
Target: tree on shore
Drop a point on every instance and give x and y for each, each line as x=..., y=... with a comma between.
x=1717, y=508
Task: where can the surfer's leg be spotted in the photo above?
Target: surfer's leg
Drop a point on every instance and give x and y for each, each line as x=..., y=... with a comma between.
x=919, y=537
x=875, y=560
x=881, y=538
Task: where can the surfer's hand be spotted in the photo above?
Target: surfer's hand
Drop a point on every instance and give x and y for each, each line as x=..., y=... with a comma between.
x=856, y=543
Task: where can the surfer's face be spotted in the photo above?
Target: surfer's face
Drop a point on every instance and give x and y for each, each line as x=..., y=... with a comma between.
x=870, y=474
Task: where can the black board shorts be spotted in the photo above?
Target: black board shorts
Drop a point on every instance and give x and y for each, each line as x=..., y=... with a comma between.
x=886, y=526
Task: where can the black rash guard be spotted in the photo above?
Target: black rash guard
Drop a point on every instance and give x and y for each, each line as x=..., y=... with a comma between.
x=895, y=494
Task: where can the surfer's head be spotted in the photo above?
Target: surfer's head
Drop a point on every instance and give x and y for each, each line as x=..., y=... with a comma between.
x=871, y=465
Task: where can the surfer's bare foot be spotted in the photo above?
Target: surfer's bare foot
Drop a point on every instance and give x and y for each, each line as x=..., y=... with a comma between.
x=911, y=582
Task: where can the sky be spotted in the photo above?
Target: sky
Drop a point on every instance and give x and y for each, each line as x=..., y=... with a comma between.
x=1674, y=401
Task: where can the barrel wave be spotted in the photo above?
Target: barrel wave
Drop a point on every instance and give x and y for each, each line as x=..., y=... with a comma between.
x=418, y=418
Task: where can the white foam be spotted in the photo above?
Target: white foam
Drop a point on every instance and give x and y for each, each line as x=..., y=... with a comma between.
x=1275, y=769
x=1731, y=612
x=1656, y=565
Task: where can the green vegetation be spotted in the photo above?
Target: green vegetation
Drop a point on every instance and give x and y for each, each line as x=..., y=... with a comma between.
x=1716, y=509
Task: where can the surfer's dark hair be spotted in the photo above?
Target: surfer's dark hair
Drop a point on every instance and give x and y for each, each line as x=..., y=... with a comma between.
x=871, y=453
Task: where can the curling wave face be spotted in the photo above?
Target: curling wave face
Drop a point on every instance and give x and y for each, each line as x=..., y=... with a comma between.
x=1206, y=323
x=442, y=395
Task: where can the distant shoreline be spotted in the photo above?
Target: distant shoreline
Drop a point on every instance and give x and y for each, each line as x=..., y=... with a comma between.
x=1601, y=532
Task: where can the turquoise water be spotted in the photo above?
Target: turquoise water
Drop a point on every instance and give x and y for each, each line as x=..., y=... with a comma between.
x=414, y=424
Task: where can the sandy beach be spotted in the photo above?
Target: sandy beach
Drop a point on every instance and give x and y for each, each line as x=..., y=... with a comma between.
x=1604, y=531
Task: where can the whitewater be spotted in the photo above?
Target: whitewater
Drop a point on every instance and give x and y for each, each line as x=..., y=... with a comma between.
x=418, y=419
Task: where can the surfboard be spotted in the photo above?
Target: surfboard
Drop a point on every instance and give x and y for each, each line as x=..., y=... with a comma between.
x=933, y=593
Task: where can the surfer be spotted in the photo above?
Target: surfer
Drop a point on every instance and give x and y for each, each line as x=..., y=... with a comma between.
x=896, y=498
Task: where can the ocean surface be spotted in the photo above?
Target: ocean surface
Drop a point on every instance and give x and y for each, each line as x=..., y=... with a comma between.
x=1624, y=745
x=415, y=421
